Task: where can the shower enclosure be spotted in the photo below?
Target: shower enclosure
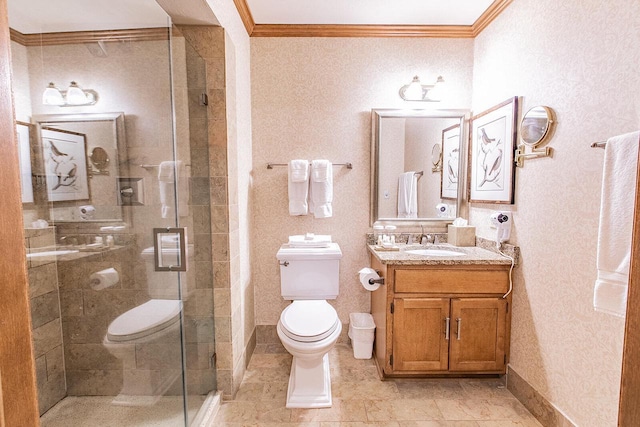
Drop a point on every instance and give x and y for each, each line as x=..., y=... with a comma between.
x=117, y=212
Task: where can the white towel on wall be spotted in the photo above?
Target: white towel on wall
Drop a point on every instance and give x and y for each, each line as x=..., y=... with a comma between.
x=408, y=195
x=298, y=187
x=321, y=189
x=170, y=172
x=616, y=223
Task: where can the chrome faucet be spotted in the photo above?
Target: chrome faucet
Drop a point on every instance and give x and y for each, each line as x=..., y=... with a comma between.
x=423, y=236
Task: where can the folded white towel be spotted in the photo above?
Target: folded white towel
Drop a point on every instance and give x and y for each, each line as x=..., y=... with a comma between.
x=170, y=172
x=299, y=170
x=321, y=189
x=298, y=187
x=616, y=223
x=408, y=195
x=302, y=241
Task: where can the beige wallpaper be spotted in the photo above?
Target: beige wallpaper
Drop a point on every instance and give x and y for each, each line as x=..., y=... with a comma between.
x=312, y=98
x=581, y=59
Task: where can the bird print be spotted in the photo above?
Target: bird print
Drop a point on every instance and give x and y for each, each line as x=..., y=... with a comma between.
x=63, y=166
x=492, y=161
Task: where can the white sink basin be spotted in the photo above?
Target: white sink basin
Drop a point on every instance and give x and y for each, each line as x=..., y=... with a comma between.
x=433, y=252
x=49, y=254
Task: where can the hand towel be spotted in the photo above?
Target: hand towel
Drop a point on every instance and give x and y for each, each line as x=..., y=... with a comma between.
x=303, y=241
x=408, y=195
x=616, y=223
x=298, y=187
x=169, y=173
x=321, y=189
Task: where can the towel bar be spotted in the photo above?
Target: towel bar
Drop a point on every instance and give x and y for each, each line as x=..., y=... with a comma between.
x=272, y=165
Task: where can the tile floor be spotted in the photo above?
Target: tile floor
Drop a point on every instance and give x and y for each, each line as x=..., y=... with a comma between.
x=97, y=411
x=361, y=399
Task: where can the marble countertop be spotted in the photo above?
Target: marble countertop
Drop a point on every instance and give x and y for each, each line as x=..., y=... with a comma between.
x=472, y=255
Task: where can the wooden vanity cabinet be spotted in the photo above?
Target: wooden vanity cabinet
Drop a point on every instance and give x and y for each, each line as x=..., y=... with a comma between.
x=441, y=320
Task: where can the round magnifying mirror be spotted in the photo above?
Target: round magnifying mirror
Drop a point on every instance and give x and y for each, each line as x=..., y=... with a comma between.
x=99, y=158
x=436, y=154
x=535, y=125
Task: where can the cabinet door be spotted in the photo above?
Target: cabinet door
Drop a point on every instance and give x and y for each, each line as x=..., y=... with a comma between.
x=419, y=341
x=478, y=331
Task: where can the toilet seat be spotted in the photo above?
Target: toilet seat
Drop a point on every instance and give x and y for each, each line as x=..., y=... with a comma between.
x=309, y=320
x=145, y=319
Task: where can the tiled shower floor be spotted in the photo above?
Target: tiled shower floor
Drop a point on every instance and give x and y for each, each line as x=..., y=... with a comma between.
x=97, y=411
x=361, y=399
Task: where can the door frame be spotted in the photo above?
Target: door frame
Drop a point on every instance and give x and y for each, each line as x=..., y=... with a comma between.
x=629, y=409
x=18, y=389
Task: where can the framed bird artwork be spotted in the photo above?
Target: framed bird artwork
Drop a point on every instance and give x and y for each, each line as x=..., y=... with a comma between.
x=450, y=162
x=491, y=154
x=65, y=163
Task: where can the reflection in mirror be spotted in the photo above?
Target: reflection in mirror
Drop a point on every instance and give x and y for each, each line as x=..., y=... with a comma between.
x=104, y=135
x=99, y=159
x=436, y=158
x=406, y=143
x=535, y=125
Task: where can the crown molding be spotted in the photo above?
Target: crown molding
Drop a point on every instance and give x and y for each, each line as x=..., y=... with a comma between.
x=245, y=15
x=339, y=30
x=324, y=30
x=489, y=15
x=49, y=39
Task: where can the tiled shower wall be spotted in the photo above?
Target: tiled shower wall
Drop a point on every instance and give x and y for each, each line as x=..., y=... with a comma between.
x=234, y=336
x=46, y=321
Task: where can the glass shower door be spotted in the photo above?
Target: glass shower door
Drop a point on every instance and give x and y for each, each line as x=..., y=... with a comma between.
x=118, y=339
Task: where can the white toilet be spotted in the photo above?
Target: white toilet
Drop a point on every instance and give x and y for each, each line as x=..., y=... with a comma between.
x=309, y=327
x=152, y=328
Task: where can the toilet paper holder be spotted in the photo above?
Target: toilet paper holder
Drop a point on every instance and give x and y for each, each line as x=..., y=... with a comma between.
x=379, y=281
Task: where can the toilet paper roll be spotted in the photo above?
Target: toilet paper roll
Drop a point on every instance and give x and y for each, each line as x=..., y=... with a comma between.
x=87, y=211
x=367, y=274
x=104, y=279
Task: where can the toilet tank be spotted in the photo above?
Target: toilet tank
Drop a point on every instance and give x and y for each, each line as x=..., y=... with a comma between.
x=164, y=284
x=309, y=273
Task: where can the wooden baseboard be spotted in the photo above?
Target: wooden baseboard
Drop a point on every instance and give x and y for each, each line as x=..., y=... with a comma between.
x=547, y=414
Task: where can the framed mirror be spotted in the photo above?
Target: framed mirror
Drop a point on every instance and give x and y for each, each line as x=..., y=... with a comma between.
x=436, y=158
x=404, y=143
x=535, y=125
x=100, y=160
x=105, y=140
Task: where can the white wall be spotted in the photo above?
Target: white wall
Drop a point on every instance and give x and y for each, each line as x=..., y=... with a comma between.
x=581, y=59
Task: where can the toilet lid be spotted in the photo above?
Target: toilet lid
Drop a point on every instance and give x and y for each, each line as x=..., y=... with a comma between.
x=309, y=320
x=143, y=320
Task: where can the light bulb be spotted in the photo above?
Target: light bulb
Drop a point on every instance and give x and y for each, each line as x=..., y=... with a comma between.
x=438, y=91
x=75, y=95
x=413, y=92
x=52, y=95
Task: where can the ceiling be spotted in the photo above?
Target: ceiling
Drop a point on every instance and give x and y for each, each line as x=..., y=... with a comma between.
x=46, y=16
x=271, y=18
x=368, y=12
x=368, y=18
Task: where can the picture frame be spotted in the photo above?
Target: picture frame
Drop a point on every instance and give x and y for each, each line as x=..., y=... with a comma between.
x=450, y=162
x=65, y=162
x=491, y=154
x=23, y=132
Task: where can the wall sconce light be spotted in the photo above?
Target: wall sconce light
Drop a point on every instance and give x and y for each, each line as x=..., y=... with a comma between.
x=416, y=91
x=74, y=96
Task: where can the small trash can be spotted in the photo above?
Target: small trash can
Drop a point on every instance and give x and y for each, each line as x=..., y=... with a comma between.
x=361, y=332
